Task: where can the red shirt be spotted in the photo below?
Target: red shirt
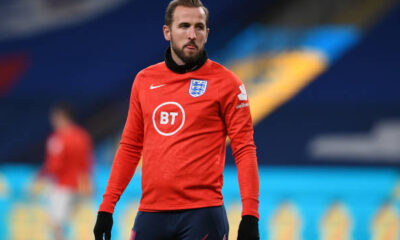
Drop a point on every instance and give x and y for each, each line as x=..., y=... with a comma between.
x=180, y=123
x=68, y=156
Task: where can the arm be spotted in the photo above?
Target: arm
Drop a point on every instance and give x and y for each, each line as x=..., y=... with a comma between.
x=85, y=183
x=53, y=164
x=55, y=152
x=240, y=131
x=128, y=153
x=239, y=126
x=124, y=165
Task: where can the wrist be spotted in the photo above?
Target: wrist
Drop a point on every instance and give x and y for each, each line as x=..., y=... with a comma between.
x=250, y=218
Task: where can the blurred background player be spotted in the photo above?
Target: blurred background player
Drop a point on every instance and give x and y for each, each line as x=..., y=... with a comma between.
x=67, y=167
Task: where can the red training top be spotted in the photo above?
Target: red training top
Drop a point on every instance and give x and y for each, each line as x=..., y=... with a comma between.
x=180, y=122
x=68, y=156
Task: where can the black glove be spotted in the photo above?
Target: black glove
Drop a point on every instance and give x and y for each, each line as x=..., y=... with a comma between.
x=103, y=225
x=248, y=228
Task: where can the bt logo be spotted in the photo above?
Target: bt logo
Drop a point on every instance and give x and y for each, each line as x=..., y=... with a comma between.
x=165, y=117
x=168, y=118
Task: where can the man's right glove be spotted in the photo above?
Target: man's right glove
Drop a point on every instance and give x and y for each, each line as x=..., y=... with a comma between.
x=103, y=225
x=248, y=228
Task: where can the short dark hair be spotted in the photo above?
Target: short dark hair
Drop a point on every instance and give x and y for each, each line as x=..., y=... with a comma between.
x=169, y=13
x=66, y=108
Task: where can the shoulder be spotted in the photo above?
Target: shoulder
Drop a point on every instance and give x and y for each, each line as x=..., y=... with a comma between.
x=81, y=131
x=55, y=143
x=53, y=137
x=228, y=80
x=225, y=73
x=151, y=71
x=78, y=135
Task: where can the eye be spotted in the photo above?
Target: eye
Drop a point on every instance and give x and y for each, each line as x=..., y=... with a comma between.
x=200, y=26
x=184, y=25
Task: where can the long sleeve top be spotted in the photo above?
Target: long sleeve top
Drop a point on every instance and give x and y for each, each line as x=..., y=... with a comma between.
x=180, y=122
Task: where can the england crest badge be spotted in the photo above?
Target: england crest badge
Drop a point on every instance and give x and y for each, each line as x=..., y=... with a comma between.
x=197, y=87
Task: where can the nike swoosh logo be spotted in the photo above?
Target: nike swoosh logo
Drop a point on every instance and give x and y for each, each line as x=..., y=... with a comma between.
x=156, y=86
x=205, y=237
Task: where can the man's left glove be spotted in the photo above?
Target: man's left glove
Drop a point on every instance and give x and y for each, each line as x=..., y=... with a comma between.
x=103, y=225
x=248, y=228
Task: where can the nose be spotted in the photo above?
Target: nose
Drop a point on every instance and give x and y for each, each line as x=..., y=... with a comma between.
x=192, y=33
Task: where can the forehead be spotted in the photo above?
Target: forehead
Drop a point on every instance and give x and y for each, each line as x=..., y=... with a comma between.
x=189, y=14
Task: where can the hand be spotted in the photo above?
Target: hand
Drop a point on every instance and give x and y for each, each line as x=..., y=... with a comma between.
x=85, y=188
x=37, y=187
x=103, y=225
x=248, y=228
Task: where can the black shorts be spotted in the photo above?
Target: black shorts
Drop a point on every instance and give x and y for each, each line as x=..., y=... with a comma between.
x=209, y=223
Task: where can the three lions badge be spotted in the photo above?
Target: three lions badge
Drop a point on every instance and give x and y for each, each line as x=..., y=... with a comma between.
x=197, y=87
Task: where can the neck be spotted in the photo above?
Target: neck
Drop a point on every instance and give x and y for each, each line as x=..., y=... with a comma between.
x=61, y=125
x=178, y=66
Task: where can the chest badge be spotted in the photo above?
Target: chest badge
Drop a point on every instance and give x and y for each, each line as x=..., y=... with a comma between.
x=197, y=87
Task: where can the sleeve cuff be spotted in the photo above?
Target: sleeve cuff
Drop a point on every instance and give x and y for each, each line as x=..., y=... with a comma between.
x=250, y=207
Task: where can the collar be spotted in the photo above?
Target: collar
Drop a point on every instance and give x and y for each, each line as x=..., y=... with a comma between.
x=187, y=67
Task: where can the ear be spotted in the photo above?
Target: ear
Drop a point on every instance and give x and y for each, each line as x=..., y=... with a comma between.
x=208, y=31
x=167, y=33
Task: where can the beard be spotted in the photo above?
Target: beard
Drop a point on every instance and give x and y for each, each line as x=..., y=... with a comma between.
x=188, y=59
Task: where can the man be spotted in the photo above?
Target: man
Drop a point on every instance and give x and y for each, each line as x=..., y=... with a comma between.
x=67, y=167
x=181, y=111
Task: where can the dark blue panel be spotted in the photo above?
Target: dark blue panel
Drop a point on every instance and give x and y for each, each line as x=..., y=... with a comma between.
x=358, y=91
x=94, y=62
